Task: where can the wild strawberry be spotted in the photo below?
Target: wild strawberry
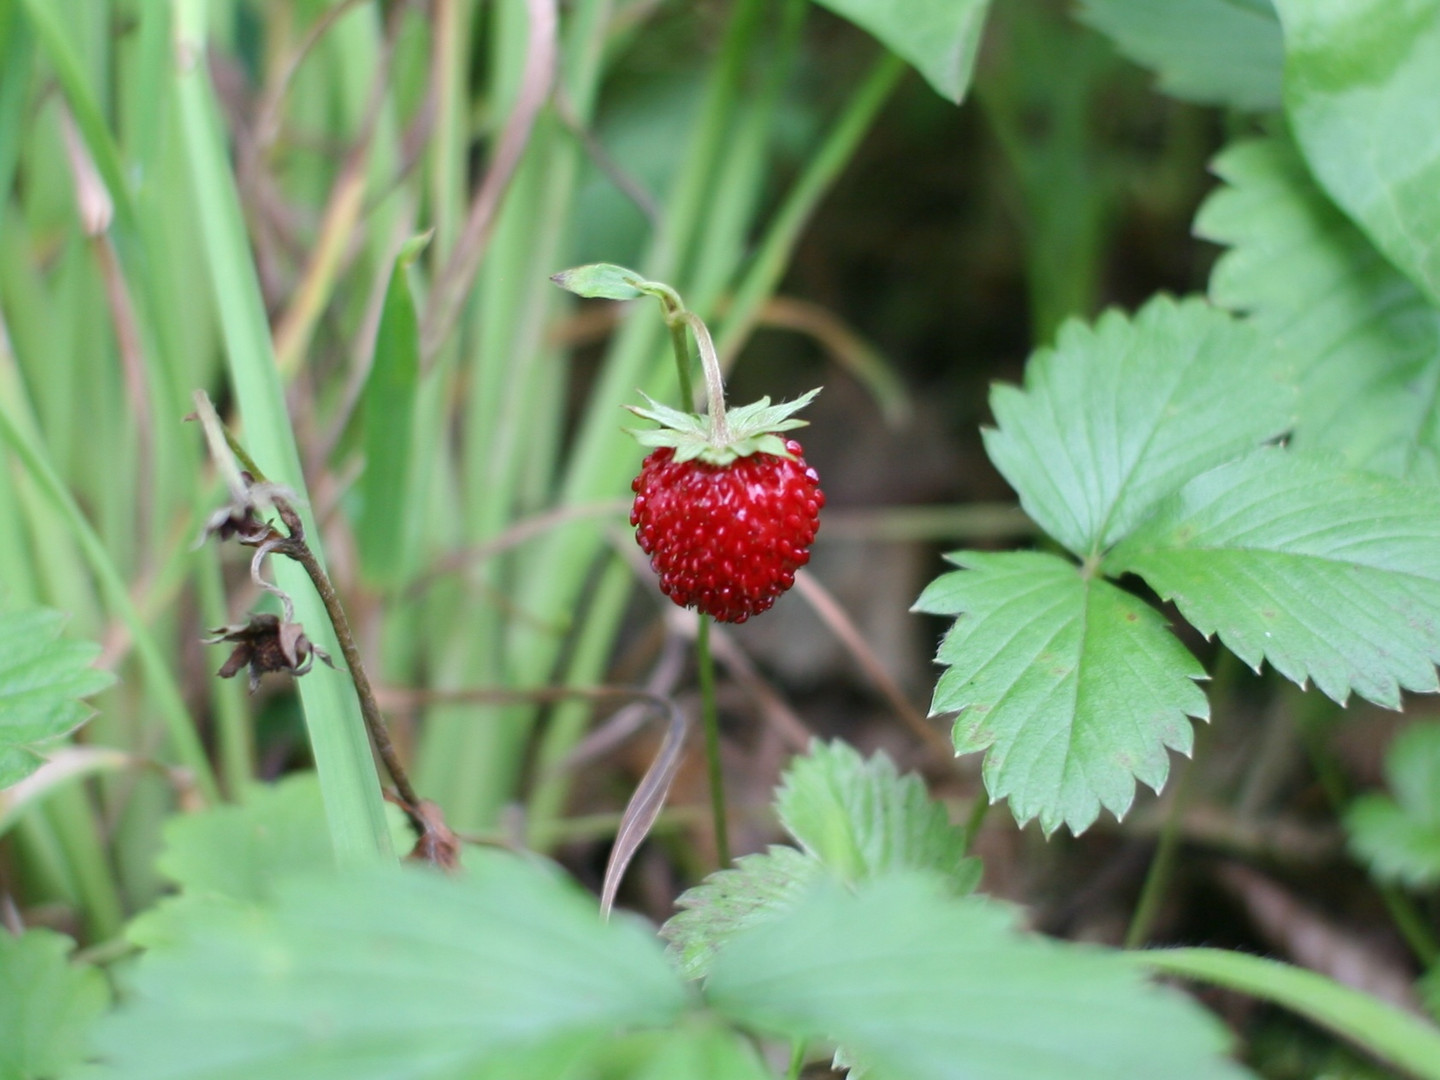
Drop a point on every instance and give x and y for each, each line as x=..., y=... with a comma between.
x=727, y=519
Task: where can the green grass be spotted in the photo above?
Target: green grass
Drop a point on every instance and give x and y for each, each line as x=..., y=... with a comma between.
x=254, y=263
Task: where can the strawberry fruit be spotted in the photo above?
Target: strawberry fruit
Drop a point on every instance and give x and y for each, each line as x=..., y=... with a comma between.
x=726, y=520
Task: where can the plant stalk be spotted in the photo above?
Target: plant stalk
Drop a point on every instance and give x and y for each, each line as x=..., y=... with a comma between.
x=1162, y=866
x=714, y=381
x=797, y=1060
x=710, y=716
x=369, y=707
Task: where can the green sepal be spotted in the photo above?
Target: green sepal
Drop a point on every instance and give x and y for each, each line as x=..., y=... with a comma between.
x=754, y=429
x=601, y=281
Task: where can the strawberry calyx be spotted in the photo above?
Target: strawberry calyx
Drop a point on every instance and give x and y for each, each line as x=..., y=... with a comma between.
x=720, y=439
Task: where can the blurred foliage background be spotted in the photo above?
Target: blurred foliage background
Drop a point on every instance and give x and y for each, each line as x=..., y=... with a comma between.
x=454, y=421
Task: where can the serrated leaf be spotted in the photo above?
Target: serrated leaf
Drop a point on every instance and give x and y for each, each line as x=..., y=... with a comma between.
x=938, y=37
x=1398, y=835
x=1364, y=339
x=1330, y=575
x=856, y=818
x=601, y=281
x=1119, y=414
x=47, y=1005
x=1361, y=81
x=758, y=888
x=860, y=818
x=42, y=679
x=1214, y=52
x=918, y=984
x=387, y=973
x=1073, y=688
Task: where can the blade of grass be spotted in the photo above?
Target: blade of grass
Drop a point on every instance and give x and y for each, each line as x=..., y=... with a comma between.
x=566, y=727
x=783, y=232
x=341, y=749
x=1393, y=1036
x=160, y=679
x=389, y=420
x=45, y=20
x=16, y=52
x=472, y=757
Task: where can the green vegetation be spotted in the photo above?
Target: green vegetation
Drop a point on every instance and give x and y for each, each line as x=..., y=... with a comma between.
x=405, y=515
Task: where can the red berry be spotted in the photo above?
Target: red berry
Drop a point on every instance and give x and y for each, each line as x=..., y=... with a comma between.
x=727, y=539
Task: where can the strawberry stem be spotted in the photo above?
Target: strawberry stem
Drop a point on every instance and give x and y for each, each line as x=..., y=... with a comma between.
x=714, y=382
x=710, y=715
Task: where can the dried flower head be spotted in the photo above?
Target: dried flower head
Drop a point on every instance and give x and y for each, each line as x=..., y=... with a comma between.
x=245, y=516
x=267, y=643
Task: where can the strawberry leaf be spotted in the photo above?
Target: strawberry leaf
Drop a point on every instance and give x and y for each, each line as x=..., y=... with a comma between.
x=1120, y=414
x=42, y=679
x=757, y=889
x=1398, y=835
x=1332, y=576
x=47, y=1005
x=856, y=819
x=1214, y=52
x=237, y=854
x=387, y=973
x=861, y=819
x=1073, y=688
x=938, y=37
x=914, y=982
x=1367, y=353
x=1361, y=80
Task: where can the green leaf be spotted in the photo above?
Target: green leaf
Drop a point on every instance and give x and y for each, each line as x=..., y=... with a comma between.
x=47, y=1005
x=919, y=984
x=389, y=421
x=1072, y=687
x=856, y=818
x=690, y=1051
x=601, y=281
x=390, y=972
x=236, y=854
x=42, y=679
x=242, y=850
x=861, y=819
x=757, y=889
x=1120, y=414
x=1332, y=576
x=1214, y=52
x=938, y=37
x=1391, y=1034
x=338, y=743
x=1399, y=837
x=1429, y=988
x=1361, y=81
x=1365, y=341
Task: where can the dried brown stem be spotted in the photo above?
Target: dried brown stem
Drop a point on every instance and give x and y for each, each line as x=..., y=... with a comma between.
x=300, y=551
x=840, y=624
